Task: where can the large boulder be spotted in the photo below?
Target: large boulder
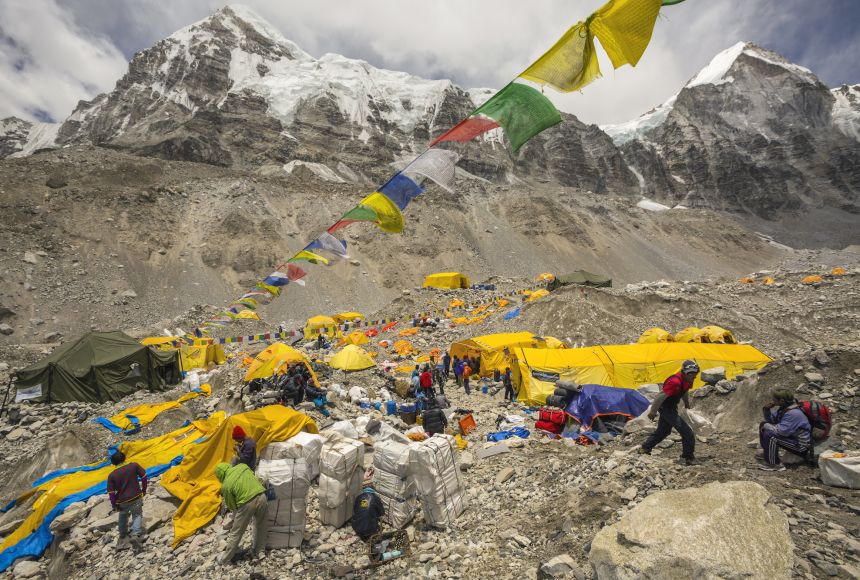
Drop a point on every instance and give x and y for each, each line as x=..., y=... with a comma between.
x=720, y=530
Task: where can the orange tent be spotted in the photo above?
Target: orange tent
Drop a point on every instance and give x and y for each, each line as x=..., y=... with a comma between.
x=812, y=280
x=403, y=347
x=837, y=271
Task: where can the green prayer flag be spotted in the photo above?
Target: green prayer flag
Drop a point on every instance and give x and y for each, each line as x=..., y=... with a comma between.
x=522, y=111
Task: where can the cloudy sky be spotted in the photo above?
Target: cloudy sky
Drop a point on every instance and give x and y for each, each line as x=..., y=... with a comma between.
x=54, y=53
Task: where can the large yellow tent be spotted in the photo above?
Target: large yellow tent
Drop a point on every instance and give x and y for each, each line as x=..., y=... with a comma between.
x=348, y=317
x=351, y=358
x=691, y=334
x=275, y=359
x=655, y=334
x=193, y=481
x=326, y=325
x=494, y=349
x=354, y=337
x=446, y=280
x=627, y=366
x=719, y=335
x=196, y=355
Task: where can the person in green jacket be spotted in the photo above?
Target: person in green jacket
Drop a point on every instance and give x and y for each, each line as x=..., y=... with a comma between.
x=244, y=494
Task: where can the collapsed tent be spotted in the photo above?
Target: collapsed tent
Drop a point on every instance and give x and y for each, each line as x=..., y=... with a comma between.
x=595, y=401
x=98, y=367
x=194, y=482
x=195, y=355
x=535, y=371
x=655, y=334
x=580, y=278
x=60, y=489
x=325, y=325
x=130, y=420
x=275, y=359
x=494, y=349
x=351, y=358
x=446, y=280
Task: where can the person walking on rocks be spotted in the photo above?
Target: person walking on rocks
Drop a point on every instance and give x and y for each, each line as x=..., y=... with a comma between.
x=245, y=448
x=675, y=389
x=245, y=495
x=439, y=377
x=458, y=371
x=446, y=362
x=785, y=426
x=126, y=486
x=425, y=379
x=509, y=385
x=467, y=372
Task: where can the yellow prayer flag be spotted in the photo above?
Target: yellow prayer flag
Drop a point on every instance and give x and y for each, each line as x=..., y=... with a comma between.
x=388, y=216
x=624, y=28
x=570, y=64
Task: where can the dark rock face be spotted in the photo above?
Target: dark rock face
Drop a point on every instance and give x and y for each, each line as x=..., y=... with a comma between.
x=13, y=135
x=759, y=140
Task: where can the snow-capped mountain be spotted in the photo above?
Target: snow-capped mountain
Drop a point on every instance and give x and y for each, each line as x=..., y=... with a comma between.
x=19, y=138
x=751, y=131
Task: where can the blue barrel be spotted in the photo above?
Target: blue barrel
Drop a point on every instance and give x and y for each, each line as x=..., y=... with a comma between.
x=377, y=405
x=391, y=408
x=485, y=389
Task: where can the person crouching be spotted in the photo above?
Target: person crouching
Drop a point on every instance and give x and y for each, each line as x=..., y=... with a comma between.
x=785, y=426
x=245, y=495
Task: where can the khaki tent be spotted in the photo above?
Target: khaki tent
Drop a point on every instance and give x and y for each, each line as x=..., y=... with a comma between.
x=628, y=366
x=655, y=335
x=98, y=367
x=581, y=278
x=351, y=358
x=196, y=355
x=446, y=280
x=276, y=359
x=325, y=325
x=494, y=349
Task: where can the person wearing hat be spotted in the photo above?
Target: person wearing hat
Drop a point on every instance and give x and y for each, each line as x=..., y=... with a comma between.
x=243, y=494
x=366, y=512
x=675, y=389
x=245, y=448
x=785, y=426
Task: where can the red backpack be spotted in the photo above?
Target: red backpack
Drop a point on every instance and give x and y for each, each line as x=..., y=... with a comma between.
x=819, y=418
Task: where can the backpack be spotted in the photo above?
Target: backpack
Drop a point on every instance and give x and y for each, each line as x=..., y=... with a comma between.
x=467, y=371
x=819, y=418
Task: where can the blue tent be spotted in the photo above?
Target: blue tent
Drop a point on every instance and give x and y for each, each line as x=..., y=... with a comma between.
x=597, y=400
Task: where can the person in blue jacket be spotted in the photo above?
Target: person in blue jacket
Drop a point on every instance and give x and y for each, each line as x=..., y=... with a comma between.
x=785, y=426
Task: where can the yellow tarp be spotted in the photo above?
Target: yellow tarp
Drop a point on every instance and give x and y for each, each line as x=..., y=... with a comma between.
x=537, y=295
x=146, y=413
x=456, y=303
x=351, y=358
x=655, y=335
x=408, y=332
x=446, y=280
x=691, y=334
x=151, y=454
x=326, y=325
x=355, y=337
x=348, y=317
x=492, y=348
x=275, y=359
x=197, y=355
x=627, y=366
x=502, y=302
x=193, y=481
x=718, y=334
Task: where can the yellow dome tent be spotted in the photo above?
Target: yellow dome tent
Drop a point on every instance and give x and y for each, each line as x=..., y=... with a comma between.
x=655, y=334
x=355, y=337
x=247, y=315
x=325, y=325
x=275, y=359
x=494, y=349
x=812, y=280
x=629, y=366
x=196, y=355
x=546, y=277
x=446, y=280
x=769, y=281
x=691, y=334
x=719, y=335
x=837, y=271
x=747, y=280
x=351, y=358
x=348, y=317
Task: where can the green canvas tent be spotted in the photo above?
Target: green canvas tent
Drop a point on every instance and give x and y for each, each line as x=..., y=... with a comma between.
x=581, y=278
x=98, y=367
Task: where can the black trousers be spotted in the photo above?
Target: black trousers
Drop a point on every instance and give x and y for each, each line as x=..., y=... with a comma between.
x=669, y=419
x=509, y=393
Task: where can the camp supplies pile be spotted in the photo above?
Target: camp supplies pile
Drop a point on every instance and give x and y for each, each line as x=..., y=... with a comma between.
x=392, y=482
x=552, y=420
x=840, y=469
x=341, y=473
x=307, y=446
x=563, y=394
x=433, y=466
x=287, y=484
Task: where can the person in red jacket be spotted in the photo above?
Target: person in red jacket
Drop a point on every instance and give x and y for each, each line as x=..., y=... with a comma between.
x=675, y=389
x=425, y=380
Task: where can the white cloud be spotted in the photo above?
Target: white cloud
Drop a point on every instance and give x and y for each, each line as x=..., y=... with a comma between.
x=47, y=64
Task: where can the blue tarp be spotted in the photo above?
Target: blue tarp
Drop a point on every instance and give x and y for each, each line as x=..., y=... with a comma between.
x=511, y=314
x=596, y=400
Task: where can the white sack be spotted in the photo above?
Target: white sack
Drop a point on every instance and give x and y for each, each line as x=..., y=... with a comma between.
x=345, y=428
x=339, y=458
x=392, y=457
x=290, y=514
x=290, y=478
x=398, y=511
x=840, y=471
x=393, y=485
x=445, y=513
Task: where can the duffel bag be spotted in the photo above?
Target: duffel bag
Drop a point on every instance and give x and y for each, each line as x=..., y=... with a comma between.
x=556, y=401
x=556, y=416
x=548, y=426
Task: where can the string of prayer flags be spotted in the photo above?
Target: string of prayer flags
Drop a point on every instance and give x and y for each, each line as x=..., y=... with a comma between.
x=570, y=64
x=328, y=242
x=308, y=256
x=520, y=110
x=376, y=208
x=436, y=165
x=401, y=190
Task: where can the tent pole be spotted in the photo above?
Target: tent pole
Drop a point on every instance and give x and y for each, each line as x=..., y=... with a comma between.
x=6, y=394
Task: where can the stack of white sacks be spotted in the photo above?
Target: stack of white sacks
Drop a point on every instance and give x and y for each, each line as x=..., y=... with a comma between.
x=288, y=467
x=393, y=484
x=341, y=474
x=434, y=470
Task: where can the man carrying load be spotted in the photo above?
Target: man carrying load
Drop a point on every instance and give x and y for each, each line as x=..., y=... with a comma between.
x=675, y=389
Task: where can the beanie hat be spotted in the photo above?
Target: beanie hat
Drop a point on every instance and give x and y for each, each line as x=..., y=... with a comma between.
x=238, y=432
